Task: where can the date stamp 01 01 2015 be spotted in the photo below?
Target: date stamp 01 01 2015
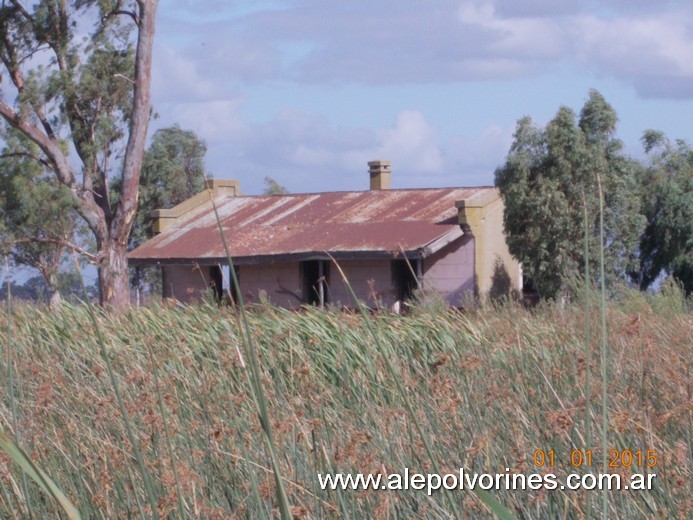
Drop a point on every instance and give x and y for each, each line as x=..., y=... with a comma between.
x=584, y=458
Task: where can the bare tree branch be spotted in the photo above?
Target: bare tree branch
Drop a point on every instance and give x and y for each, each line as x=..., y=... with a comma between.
x=30, y=54
x=125, y=12
x=49, y=146
x=76, y=118
x=93, y=258
x=39, y=160
x=60, y=24
x=18, y=5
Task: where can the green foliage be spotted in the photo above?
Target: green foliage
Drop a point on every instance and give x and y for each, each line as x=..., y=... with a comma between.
x=87, y=95
x=542, y=184
x=667, y=198
x=272, y=187
x=76, y=79
x=104, y=95
x=172, y=171
x=66, y=281
x=25, y=291
x=38, y=217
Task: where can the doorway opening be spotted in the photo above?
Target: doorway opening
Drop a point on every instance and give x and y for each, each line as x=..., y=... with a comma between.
x=222, y=283
x=314, y=281
x=404, y=281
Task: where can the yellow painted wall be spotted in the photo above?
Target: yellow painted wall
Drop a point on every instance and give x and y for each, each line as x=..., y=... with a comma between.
x=496, y=268
x=167, y=218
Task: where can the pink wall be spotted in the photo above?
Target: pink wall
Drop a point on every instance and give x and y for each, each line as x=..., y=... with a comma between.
x=450, y=271
x=280, y=282
x=185, y=283
x=360, y=273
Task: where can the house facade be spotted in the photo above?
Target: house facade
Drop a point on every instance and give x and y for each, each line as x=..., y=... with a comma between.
x=286, y=248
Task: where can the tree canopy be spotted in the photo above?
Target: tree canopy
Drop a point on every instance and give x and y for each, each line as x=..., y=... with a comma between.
x=38, y=218
x=667, y=243
x=547, y=175
x=272, y=187
x=173, y=170
x=65, y=92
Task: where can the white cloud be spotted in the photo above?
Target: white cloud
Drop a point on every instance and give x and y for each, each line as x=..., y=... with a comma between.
x=217, y=122
x=306, y=155
x=209, y=60
x=649, y=50
x=532, y=37
x=473, y=160
x=412, y=141
x=176, y=77
x=336, y=158
x=653, y=52
x=385, y=42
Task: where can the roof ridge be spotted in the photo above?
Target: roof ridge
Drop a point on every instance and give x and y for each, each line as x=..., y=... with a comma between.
x=371, y=191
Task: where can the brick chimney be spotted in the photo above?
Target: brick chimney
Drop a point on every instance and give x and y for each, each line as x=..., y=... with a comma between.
x=381, y=174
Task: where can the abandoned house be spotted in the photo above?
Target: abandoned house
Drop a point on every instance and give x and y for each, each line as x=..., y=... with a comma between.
x=388, y=242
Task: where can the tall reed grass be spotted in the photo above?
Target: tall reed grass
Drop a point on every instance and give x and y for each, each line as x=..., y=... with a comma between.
x=254, y=377
x=487, y=388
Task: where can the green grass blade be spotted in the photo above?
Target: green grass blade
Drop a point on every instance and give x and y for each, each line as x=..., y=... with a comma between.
x=11, y=382
x=588, y=350
x=167, y=435
x=255, y=381
x=37, y=475
x=604, y=360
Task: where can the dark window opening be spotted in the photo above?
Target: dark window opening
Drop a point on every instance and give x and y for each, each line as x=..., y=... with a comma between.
x=222, y=283
x=403, y=279
x=216, y=282
x=315, y=278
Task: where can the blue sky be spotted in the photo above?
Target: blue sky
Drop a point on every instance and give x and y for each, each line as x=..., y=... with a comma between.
x=308, y=91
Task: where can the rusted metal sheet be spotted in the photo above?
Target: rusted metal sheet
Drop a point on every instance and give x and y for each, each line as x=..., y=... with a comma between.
x=363, y=222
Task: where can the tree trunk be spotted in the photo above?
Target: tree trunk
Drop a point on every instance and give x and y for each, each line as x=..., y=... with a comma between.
x=50, y=276
x=54, y=298
x=114, y=282
x=111, y=227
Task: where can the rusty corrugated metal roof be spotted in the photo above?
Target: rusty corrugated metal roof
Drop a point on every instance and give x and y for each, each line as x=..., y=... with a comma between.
x=354, y=223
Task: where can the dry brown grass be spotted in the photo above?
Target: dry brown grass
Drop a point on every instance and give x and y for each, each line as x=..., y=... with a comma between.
x=488, y=387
